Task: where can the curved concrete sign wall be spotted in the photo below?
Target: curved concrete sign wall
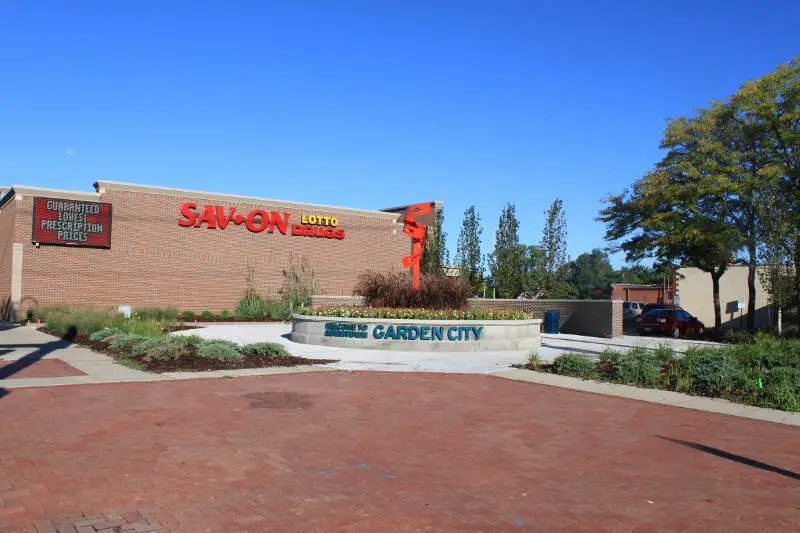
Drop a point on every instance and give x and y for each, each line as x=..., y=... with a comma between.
x=418, y=335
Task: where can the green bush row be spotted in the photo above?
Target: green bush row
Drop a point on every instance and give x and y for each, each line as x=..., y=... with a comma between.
x=69, y=321
x=763, y=372
x=151, y=350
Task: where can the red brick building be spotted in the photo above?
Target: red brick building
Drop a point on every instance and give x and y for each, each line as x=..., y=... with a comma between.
x=142, y=246
x=650, y=294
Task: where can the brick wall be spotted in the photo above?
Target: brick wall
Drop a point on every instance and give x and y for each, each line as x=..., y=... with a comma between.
x=597, y=318
x=323, y=300
x=155, y=262
x=637, y=293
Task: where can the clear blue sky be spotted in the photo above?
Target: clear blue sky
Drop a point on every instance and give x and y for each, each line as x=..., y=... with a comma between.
x=372, y=103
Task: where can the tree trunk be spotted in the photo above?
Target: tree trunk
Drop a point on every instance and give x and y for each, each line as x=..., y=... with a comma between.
x=780, y=319
x=751, y=286
x=717, y=309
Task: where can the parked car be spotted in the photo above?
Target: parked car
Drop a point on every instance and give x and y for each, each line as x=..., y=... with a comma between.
x=652, y=307
x=632, y=309
x=675, y=322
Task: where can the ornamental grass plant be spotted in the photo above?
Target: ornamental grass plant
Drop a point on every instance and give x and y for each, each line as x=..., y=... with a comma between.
x=394, y=290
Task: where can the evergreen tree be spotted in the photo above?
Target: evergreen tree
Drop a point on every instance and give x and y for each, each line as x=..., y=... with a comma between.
x=468, y=251
x=506, y=260
x=435, y=256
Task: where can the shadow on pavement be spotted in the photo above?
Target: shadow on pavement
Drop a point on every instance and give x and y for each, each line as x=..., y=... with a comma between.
x=733, y=457
x=36, y=355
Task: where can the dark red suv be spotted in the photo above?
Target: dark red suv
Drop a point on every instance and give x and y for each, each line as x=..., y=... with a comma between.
x=675, y=322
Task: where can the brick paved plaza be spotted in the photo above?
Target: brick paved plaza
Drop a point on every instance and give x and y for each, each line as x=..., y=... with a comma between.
x=373, y=452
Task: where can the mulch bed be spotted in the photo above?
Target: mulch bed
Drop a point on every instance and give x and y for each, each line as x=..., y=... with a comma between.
x=190, y=362
x=195, y=364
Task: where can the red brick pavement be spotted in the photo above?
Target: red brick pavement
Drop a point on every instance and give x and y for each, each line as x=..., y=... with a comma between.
x=44, y=368
x=375, y=452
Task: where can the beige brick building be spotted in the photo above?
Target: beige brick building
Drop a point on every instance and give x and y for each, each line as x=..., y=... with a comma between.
x=695, y=294
x=187, y=249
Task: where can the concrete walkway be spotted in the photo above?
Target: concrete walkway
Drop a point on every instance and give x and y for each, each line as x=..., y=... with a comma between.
x=25, y=346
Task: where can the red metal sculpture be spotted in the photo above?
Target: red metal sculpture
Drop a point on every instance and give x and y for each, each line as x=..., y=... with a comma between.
x=418, y=233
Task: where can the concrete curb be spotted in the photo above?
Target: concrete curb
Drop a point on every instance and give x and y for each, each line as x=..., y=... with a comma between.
x=675, y=399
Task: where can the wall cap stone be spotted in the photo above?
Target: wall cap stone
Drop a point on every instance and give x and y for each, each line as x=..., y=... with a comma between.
x=401, y=321
x=170, y=191
x=19, y=191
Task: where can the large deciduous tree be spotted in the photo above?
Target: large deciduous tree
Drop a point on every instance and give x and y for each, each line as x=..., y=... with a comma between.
x=770, y=107
x=468, y=250
x=505, y=262
x=592, y=271
x=682, y=210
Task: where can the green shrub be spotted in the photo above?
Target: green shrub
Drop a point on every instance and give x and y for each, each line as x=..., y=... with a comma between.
x=277, y=310
x=395, y=290
x=82, y=321
x=255, y=307
x=226, y=314
x=41, y=313
x=663, y=353
x=266, y=349
x=106, y=333
x=207, y=314
x=573, y=363
x=782, y=389
x=219, y=350
x=156, y=313
x=638, y=366
x=67, y=321
x=126, y=343
x=164, y=348
x=534, y=361
x=148, y=327
x=250, y=306
x=187, y=315
x=608, y=358
x=710, y=369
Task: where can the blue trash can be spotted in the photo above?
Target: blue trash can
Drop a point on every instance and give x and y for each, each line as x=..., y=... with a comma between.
x=552, y=321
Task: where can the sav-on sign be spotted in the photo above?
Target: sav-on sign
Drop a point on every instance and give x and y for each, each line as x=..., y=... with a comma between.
x=258, y=220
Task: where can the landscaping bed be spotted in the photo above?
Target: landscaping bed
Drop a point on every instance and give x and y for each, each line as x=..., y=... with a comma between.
x=141, y=342
x=764, y=372
x=188, y=359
